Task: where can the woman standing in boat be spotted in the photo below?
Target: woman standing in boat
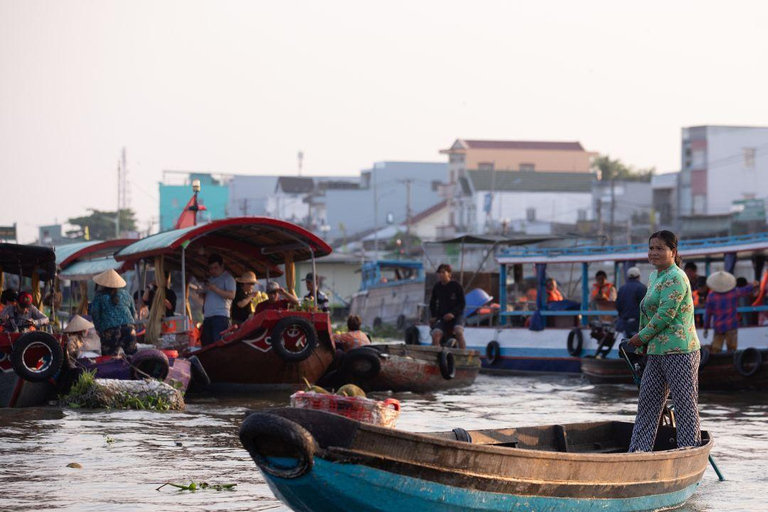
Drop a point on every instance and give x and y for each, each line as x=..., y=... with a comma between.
x=668, y=335
x=114, y=314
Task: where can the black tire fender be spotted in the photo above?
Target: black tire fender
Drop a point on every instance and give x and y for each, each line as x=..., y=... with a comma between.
x=493, y=352
x=575, y=342
x=447, y=364
x=412, y=335
x=748, y=361
x=199, y=375
x=50, y=347
x=462, y=435
x=151, y=362
x=276, y=338
x=261, y=433
x=362, y=362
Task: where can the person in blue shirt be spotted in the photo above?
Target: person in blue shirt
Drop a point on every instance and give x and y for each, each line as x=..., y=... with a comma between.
x=628, y=303
x=114, y=314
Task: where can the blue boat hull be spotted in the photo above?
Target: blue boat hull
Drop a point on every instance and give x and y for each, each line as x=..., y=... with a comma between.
x=334, y=487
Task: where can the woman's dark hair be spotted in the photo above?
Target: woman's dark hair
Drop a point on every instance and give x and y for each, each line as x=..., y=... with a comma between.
x=354, y=322
x=670, y=240
x=601, y=273
x=113, y=293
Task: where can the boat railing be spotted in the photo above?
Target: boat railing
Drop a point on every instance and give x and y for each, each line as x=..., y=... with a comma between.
x=596, y=312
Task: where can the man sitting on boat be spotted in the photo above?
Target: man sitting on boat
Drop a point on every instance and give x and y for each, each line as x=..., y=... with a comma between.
x=628, y=303
x=447, y=307
x=277, y=298
x=22, y=315
x=321, y=301
x=354, y=337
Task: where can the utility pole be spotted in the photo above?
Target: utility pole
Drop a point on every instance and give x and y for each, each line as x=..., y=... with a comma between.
x=613, y=209
x=375, y=216
x=301, y=161
x=408, y=182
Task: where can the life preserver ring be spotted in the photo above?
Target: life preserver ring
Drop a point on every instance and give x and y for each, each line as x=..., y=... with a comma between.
x=703, y=357
x=37, y=356
x=260, y=431
x=150, y=363
x=748, y=361
x=493, y=352
x=199, y=375
x=447, y=364
x=362, y=362
x=412, y=335
x=575, y=342
x=294, y=327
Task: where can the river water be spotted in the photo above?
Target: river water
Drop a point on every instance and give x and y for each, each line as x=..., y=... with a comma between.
x=126, y=455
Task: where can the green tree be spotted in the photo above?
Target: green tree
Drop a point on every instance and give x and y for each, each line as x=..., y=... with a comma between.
x=101, y=224
x=617, y=170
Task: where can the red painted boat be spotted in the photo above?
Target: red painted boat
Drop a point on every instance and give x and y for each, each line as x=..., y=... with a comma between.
x=276, y=348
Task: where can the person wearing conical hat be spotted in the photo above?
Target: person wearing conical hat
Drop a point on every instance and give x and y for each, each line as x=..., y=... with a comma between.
x=76, y=330
x=245, y=293
x=114, y=314
x=721, y=303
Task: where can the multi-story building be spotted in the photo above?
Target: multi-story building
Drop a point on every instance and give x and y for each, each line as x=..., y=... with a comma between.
x=722, y=167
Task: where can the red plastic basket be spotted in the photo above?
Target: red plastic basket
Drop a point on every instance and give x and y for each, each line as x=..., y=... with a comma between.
x=383, y=413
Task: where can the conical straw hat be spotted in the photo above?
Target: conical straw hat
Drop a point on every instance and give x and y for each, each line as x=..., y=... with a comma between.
x=247, y=278
x=78, y=324
x=109, y=279
x=721, y=282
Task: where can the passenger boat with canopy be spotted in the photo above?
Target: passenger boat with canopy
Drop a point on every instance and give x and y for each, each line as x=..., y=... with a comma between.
x=273, y=348
x=555, y=337
x=320, y=462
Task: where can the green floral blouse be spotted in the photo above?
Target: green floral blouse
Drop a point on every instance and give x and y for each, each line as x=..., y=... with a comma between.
x=666, y=314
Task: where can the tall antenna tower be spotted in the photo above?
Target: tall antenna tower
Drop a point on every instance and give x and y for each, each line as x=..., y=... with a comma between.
x=301, y=161
x=123, y=196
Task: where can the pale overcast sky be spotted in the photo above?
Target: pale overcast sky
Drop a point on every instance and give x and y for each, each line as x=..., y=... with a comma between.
x=240, y=87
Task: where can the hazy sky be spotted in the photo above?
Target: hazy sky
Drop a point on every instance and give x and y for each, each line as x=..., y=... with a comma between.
x=240, y=87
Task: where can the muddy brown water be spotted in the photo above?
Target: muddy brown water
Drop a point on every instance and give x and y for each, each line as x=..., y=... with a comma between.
x=126, y=455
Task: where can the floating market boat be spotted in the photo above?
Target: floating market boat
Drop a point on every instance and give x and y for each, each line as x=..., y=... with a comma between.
x=724, y=371
x=317, y=462
x=276, y=348
x=390, y=292
x=553, y=337
x=399, y=367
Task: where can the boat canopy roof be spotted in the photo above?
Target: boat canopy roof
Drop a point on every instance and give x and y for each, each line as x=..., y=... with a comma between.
x=393, y=264
x=70, y=253
x=24, y=260
x=87, y=269
x=496, y=240
x=245, y=243
x=709, y=248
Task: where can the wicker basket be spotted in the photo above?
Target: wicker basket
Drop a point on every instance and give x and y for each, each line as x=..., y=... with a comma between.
x=382, y=413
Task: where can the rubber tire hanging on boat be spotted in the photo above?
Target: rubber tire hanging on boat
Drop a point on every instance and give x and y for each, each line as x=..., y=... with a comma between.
x=462, y=435
x=151, y=362
x=745, y=357
x=277, y=333
x=362, y=362
x=412, y=335
x=492, y=352
x=447, y=364
x=578, y=336
x=50, y=343
x=260, y=431
x=199, y=375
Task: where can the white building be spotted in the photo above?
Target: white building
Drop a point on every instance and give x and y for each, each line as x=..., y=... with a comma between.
x=720, y=165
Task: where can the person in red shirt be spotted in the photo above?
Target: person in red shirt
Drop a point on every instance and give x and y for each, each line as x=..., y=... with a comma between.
x=277, y=298
x=354, y=338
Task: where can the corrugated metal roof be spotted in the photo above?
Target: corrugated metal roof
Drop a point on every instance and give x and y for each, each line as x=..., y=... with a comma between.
x=511, y=181
x=524, y=144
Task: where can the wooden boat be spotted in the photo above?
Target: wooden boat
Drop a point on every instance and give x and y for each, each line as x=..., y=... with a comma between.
x=390, y=291
x=746, y=369
x=317, y=462
x=399, y=367
x=278, y=348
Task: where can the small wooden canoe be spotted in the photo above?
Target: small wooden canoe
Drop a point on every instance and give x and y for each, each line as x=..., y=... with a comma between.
x=747, y=369
x=317, y=462
x=399, y=367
